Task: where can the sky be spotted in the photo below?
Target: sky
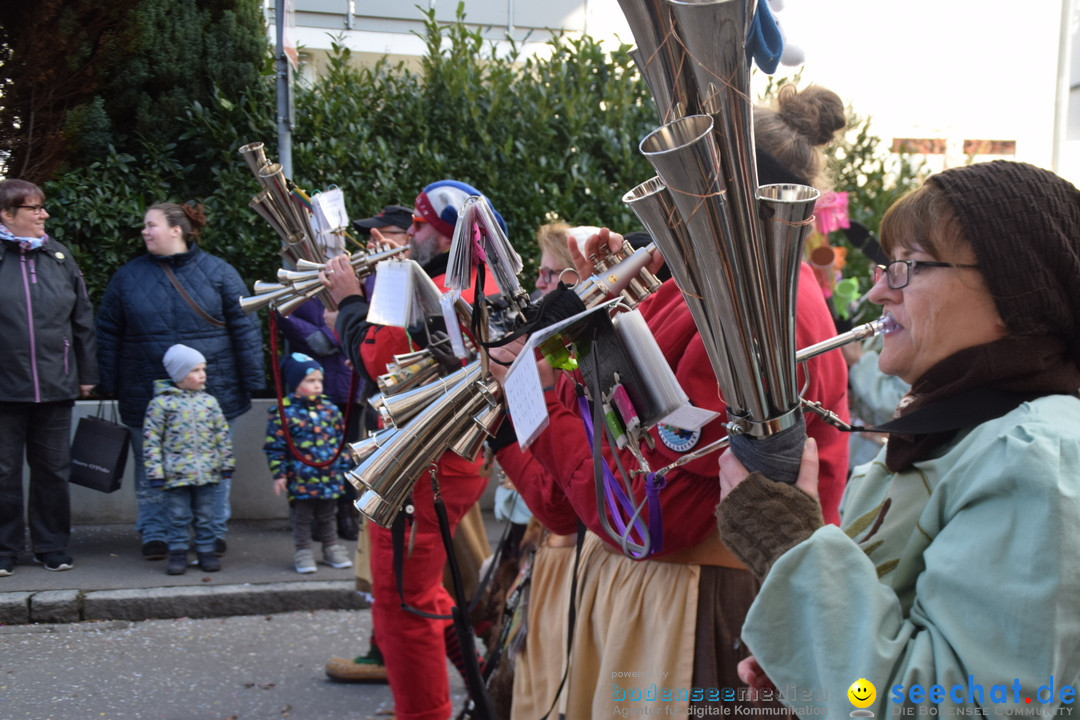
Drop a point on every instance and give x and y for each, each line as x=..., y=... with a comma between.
x=952, y=69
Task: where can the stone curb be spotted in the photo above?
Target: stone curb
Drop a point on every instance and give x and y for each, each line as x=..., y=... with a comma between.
x=62, y=606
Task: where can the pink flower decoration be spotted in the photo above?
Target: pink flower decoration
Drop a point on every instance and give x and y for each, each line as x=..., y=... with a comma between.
x=831, y=212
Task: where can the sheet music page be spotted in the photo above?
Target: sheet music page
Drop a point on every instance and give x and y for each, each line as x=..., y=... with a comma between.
x=329, y=207
x=525, y=398
x=427, y=297
x=524, y=393
x=391, y=300
x=453, y=328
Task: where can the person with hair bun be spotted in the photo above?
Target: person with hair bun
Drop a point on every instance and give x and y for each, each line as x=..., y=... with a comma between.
x=176, y=293
x=792, y=131
x=675, y=616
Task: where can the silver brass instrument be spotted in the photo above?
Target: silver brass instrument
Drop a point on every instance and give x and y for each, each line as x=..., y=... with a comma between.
x=294, y=287
x=275, y=203
x=858, y=333
x=458, y=412
x=733, y=248
x=462, y=417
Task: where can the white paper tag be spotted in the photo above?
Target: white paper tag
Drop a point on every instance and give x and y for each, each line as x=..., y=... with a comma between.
x=689, y=417
x=525, y=394
x=392, y=298
x=525, y=399
x=427, y=296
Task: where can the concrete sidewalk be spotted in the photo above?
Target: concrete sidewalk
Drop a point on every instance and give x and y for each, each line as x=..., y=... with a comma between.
x=111, y=580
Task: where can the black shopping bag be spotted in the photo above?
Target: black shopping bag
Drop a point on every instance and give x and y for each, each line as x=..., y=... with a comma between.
x=99, y=452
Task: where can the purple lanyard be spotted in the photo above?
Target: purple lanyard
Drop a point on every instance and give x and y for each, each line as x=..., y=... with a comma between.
x=615, y=498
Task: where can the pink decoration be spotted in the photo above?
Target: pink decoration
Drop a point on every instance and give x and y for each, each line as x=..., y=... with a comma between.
x=478, y=253
x=831, y=212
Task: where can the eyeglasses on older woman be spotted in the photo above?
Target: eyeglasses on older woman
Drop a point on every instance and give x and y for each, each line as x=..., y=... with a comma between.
x=898, y=272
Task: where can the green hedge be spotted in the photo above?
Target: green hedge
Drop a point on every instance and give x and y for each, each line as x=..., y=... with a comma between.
x=553, y=137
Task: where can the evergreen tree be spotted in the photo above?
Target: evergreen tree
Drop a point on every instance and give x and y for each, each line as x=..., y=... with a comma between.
x=79, y=76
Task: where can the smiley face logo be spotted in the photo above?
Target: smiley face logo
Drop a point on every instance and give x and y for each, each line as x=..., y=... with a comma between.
x=862, y=693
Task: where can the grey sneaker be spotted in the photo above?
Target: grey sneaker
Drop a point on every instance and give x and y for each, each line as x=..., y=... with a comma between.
x=304, y=560
x=336, y=557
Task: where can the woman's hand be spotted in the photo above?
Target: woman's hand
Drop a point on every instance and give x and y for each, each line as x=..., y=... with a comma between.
x=752, y=674
x=733, y=472
x=601, y=243
x=340, y=278
x=330, y=318
x=86, y=391
x=280, y=486
x=507, y=353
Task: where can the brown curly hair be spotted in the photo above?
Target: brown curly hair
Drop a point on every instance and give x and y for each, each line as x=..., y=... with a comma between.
x=799, y=126
x=189, y=218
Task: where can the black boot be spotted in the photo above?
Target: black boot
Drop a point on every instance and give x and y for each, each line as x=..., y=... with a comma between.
x=208, y=562
x=177, y=562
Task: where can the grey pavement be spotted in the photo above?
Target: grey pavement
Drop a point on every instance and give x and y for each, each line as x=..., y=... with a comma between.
x=111, y=581
x=249, y=667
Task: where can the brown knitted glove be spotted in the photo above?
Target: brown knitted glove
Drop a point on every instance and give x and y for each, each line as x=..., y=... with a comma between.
x=760, y=520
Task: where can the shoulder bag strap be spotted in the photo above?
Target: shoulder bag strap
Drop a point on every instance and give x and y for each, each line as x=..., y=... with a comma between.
x=187, y=298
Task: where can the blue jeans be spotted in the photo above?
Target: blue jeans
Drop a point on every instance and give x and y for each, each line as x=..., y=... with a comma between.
x=187, y=506
x=43, y=432
x=152, y=519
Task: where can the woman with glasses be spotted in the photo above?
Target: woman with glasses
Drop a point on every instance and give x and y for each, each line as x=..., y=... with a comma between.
x=555, y=262
x=951, y=582
x=48, y=358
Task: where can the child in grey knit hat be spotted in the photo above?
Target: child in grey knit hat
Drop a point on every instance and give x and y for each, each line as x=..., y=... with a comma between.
x=187, y=450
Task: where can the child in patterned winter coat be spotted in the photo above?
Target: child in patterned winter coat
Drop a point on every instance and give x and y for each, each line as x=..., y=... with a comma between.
x=308, y=470
x=187, y=450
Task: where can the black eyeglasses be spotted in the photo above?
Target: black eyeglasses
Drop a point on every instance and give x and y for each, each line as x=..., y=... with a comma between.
x=36, y=209
x=548, y=275
x=898, y=272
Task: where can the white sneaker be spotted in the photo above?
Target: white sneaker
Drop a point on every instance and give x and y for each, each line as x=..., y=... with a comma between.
x=336, y=557
x=304, y=560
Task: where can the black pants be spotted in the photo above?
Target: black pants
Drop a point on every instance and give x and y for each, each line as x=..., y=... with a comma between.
x=43, y=432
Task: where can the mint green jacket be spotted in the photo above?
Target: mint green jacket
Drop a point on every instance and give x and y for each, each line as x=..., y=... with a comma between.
x=962, y=571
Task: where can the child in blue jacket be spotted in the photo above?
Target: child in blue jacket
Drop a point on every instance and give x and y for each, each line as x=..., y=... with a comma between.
x=311, y=471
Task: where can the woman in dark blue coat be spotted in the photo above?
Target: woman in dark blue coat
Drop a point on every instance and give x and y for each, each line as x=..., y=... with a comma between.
x=145, y=311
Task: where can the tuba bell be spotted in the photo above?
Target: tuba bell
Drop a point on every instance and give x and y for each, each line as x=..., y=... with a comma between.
x=386, y=477
x=733, y=248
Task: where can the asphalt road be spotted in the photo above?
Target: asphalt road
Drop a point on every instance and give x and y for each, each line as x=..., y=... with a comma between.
x=262, y=667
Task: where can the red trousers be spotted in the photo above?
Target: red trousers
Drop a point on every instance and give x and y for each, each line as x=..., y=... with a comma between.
x=414, y=647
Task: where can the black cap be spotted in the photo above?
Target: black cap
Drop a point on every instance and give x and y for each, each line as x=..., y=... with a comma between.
x=396, y=215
